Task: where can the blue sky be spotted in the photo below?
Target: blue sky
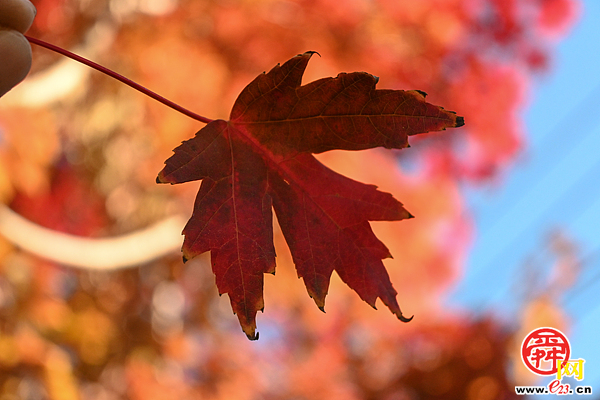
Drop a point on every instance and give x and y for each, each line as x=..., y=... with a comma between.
x=555, y=183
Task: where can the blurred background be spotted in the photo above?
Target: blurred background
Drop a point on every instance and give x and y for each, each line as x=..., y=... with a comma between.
x=507, y=212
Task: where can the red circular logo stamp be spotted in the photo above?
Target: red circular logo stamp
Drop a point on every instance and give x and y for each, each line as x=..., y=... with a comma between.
x=542, y=348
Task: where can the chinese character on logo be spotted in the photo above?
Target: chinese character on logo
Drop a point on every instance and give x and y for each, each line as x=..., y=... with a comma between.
x=542, y=348
x=572, y=368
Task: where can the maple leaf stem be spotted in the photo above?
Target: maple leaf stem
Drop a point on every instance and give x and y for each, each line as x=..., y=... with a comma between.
x=120, y=78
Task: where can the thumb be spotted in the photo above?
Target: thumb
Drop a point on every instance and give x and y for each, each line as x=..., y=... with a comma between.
x=16, y=16
x=15, y=53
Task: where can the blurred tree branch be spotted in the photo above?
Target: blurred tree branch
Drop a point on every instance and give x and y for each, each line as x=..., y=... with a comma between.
x=124, y=251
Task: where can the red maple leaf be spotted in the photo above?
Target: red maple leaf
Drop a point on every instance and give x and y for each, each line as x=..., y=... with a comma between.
x=261, y=159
